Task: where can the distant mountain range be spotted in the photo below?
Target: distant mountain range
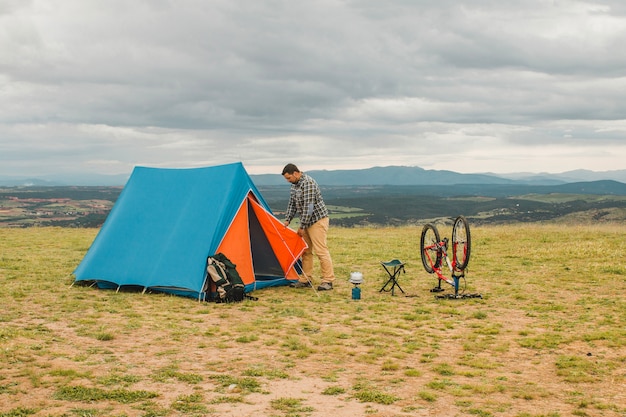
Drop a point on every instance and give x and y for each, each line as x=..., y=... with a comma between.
x=376, y=176
x=402, y=175
x=64, y=180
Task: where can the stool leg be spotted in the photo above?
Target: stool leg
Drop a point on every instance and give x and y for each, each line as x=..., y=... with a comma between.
x=396, y=274
x=390, y=280
x=384, y=286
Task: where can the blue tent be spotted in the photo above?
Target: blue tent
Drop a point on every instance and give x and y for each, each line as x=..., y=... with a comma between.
x=166, y=222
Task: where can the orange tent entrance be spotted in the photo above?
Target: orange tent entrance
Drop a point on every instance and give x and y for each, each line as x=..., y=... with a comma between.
x=261, y=247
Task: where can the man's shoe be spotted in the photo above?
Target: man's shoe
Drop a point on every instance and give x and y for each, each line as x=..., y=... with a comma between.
x=299, y=284
x=325, y=286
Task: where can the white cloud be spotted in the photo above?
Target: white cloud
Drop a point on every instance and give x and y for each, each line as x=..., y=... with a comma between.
x=101, y=87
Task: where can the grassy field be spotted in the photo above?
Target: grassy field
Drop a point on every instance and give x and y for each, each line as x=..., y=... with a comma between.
x=548, y=338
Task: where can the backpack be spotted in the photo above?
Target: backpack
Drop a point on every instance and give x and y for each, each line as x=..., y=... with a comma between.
x=224, y=275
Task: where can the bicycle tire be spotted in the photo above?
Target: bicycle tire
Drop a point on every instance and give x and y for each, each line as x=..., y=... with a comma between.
x=431, y=255
x=461, y=243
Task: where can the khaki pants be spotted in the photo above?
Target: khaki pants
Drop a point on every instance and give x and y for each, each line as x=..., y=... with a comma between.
x=315, y=238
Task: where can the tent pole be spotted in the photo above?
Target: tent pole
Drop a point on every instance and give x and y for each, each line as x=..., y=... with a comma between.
x=311, y=284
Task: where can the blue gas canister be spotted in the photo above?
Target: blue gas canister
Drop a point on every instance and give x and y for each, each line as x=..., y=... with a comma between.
x=356, y=278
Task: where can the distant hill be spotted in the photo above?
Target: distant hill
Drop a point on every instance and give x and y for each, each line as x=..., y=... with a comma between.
x=402, y=175
x=27, y=182
x=391, y=175
x=579, y=175
x=277, y=195
x=65, y=180
x=376, y=176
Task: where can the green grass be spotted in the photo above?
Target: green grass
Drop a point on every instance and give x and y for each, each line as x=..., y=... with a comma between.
x=547, y=338
x=87, y=394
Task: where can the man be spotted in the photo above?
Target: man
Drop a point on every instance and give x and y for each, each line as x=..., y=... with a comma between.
x=305, y=200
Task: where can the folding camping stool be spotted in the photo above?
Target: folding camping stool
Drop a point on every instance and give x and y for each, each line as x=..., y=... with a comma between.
x=393, y=269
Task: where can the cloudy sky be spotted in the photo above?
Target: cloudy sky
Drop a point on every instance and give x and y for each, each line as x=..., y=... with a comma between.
x=93, y=86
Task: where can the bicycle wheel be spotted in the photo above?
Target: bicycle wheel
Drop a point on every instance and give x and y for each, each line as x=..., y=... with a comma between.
x=431, y=254
x=461, y=243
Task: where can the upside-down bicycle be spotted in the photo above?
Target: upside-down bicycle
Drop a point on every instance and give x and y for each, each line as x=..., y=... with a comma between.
x=434, y=252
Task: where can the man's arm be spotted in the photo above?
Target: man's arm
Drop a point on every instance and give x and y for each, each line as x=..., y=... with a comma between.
x=291, y=209
x=308, y=195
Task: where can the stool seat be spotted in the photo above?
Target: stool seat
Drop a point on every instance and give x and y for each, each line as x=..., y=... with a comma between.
x=393, y=262
x=393, y=269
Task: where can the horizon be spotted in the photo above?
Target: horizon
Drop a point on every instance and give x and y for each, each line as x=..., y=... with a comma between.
x=93, y=179
x=277, y=171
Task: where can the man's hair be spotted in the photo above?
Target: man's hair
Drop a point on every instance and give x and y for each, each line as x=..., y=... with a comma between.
x=290, y=169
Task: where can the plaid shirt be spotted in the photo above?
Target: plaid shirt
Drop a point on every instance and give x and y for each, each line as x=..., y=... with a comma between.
x=305, y=199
